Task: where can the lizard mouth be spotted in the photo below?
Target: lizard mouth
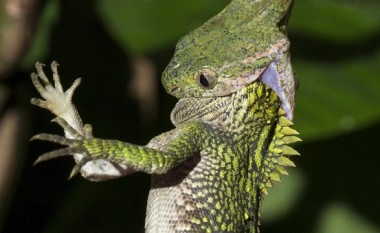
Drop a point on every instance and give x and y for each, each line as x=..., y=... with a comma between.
x=283, y=84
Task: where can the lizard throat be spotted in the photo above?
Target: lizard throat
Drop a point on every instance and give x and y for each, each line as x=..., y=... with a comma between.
x=228, y=111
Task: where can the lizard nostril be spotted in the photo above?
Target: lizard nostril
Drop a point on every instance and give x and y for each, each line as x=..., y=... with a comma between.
x=175, y=90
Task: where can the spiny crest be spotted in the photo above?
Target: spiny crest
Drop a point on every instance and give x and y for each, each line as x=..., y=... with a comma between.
x=279, y=152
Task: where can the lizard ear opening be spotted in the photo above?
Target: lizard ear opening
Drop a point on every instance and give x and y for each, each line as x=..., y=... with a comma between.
x=206, y=78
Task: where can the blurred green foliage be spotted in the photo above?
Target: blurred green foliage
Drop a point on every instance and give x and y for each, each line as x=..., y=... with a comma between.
x=336, y=54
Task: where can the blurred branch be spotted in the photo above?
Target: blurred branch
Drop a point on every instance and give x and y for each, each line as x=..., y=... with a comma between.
x=17, y=27
x=9, y=143
x=144, y=88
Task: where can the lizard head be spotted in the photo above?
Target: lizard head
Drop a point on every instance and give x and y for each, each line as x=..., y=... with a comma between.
x=244, y=43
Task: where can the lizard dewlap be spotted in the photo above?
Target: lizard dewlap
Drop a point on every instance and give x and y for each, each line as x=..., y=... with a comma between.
x=233, y=124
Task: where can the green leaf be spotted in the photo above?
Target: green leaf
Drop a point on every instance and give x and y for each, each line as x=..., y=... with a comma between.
x=40, y=45
x=143, y=26
x=283, y=196
x=336, y=66
x=339, y=218
x=335, y=20
x=337, y=97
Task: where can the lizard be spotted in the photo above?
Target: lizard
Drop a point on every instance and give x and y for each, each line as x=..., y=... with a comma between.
x=233, y=124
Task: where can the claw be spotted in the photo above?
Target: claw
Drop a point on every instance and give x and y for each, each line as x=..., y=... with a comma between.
x=38, y=102
x=41, y=73
x=57, y=82
x=68, y=128
x=71, y=90
x=53, y=138
x=54, y=65
x=58, y=153
x=37, y=83
x=87, y=129
x=78, y=166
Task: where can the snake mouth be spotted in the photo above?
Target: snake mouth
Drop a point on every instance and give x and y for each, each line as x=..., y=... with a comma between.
x=283, y=83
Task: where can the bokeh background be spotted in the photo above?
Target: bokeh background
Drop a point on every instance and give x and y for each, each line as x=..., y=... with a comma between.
x=120, y=49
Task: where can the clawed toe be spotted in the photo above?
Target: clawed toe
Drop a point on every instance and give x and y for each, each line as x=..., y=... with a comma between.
x=68, y=128
x=41, y=74
x=74, y=147
x=78, y=166
x=54, y=138
x=58, y=153
x=38, y=102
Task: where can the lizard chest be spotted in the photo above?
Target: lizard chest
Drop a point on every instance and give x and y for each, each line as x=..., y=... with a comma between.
x=206, y=193
x=216, y=189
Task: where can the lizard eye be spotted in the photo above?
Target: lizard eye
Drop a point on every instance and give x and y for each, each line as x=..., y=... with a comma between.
x=206, y=78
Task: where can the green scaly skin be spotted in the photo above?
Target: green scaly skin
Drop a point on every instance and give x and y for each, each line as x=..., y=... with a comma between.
x=232, y=130
x=233, y=45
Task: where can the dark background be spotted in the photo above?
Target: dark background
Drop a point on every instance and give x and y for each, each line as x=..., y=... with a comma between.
x=336, y=54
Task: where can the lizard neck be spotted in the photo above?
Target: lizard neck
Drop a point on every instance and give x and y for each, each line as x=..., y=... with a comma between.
x=254, y=104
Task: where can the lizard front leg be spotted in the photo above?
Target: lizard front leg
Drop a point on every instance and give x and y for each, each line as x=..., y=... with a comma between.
x=184, y=142
x=59, y=102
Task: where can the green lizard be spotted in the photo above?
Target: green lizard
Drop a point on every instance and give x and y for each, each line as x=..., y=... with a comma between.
x=235, y=86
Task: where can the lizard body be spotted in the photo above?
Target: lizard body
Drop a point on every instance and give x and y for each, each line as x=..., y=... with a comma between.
x=232, y=123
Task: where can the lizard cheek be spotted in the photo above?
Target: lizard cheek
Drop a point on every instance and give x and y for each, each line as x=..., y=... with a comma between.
x=174, y=90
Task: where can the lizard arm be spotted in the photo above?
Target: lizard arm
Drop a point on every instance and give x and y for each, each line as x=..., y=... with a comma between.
x=141, y=158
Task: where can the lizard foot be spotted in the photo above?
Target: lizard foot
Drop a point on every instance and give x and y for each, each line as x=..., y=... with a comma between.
x=54, y=98
x=75, y=146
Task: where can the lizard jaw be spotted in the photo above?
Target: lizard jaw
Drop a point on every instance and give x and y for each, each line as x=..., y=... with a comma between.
x=282, y=83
